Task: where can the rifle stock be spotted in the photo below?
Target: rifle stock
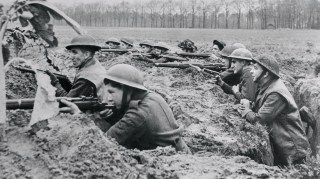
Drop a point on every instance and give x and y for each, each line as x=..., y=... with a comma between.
x=64, y=80
x=84, y=103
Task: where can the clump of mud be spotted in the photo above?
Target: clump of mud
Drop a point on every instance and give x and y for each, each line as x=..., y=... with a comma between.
x=75, y=147
x=20, y=84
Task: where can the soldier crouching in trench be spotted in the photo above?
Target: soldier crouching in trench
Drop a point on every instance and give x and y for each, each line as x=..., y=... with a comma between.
x=275, y=107
x=147, y=121
x=90, y=73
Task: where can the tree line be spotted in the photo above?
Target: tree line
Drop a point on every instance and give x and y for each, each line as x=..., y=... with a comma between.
x=229, y=14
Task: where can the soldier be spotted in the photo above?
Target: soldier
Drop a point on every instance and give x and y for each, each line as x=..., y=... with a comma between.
x=126, y=43
x=240, y=65
x=276, y=108
x=217, y=47
x=113, y=43
x=146, y=52
x=159, y=49
x=228, y=76
x=146, y=46
x=90, y=73
x=148, y=121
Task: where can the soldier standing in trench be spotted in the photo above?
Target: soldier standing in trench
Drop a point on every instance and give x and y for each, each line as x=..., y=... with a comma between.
x=275, y=107
x=147, y=121
x=90, y=73
x=240, y=65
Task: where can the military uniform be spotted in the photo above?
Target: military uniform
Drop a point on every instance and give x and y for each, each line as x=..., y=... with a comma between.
x=276, y=108
x=147, y=123
x=247, y=88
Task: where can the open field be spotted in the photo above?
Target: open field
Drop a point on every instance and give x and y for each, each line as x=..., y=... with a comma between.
x=223, y=144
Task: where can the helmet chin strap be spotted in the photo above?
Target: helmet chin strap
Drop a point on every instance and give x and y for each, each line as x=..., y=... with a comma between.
x=124, y=101
x=85, y=62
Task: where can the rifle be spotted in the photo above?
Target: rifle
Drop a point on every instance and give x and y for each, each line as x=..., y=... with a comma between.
x=204, y=70
x=194, y=55
x=213, y=66
x=118, y=51
x=83, y=103
x=172, y=58
x=64, y=81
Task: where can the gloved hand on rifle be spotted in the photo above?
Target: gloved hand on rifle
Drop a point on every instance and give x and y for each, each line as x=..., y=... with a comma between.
x=53, y=78
x=217, y=80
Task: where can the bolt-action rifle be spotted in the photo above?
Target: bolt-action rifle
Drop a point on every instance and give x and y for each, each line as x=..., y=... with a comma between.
x=172, y=58
x=218, y=67
x=83, y=103
x=117, y=51
x=205, y=70
x=194, y=55
x=64, y=80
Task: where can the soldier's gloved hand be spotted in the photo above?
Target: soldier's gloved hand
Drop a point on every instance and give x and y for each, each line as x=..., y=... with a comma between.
x=217, y=80
x=70, y=107
x=53, y=78
x=106, y=113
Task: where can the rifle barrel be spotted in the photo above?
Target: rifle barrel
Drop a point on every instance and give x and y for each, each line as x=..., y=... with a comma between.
x=83, y=103
x=199, y=55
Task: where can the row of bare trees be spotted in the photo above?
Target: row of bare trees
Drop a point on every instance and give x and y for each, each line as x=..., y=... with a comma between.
x=295, y=14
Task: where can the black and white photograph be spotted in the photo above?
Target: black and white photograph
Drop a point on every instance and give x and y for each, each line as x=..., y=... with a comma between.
x=159, y=89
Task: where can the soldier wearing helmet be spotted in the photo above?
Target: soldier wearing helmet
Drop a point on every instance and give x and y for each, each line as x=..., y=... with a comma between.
x=113, y=43
x=240, y=65
x=90, y=73
x=146, y=46
x=126, y=43
x=216, y=48
x=276, y=108
x=228, y=76
x=147, y=121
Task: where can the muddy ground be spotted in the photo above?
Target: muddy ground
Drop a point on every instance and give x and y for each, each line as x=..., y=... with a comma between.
x=223, y=144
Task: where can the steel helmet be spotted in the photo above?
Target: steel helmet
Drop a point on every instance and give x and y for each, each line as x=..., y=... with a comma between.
x=220, y=44
x=161, y=45
x=84, y=41
x=113, y=40
x=127, y=41
x=227, y=51
x=242, y=54
x=269, y=63
x=127, y=75
x=239, y=45
x=146, y=42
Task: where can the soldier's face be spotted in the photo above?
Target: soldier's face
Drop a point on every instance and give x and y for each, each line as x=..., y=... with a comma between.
x=226, y=62
x=78, y=57
x=157, y=51
x=256, y=72
x=114, y=95
x=124, y=46
x=215, y=49
x=237, y=65
x=145, y=48
x=113, y=45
